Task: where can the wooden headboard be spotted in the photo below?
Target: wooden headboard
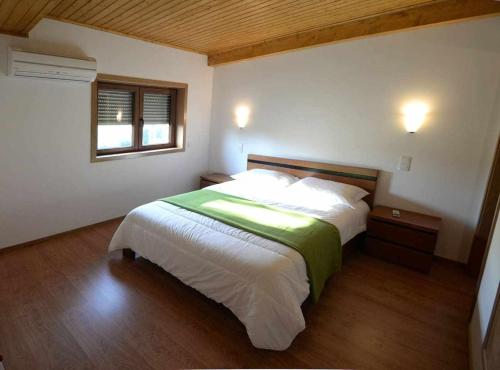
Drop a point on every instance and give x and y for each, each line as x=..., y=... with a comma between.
x=365, y=178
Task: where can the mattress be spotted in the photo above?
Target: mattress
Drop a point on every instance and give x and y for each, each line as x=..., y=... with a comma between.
x=261, y=281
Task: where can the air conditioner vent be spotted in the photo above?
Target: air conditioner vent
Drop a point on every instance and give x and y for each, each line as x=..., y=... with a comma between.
x=23, y=63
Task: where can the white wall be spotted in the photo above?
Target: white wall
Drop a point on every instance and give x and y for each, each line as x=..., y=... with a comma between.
x=47, y=183
x=337, y=103
x=341, y=103
x=485, y=300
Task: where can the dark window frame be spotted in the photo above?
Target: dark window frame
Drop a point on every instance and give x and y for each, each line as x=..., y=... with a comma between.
x=173, y=125
x=178, y=92
x=135, y=89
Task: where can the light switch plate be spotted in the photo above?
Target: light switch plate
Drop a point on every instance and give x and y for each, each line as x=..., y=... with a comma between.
x=404, y=163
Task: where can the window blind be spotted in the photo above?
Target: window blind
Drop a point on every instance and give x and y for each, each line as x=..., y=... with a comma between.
x=156, y=108
x=115, y=107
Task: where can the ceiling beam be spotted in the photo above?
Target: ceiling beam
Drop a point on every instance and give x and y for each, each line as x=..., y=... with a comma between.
x=419, y=16
x=13, y=33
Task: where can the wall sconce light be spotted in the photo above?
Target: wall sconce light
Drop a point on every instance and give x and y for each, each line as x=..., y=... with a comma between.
x=414, y=115
x=242, y=115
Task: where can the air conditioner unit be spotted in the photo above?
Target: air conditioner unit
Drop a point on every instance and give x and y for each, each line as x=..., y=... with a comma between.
x=23, y=63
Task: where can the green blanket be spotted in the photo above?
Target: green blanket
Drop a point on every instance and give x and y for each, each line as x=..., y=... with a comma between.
x=316, y=240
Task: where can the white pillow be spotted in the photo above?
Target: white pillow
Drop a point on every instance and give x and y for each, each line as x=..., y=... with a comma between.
x=327, y=192
x=268, y=177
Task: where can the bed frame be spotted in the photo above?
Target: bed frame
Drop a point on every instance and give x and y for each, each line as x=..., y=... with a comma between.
x=365, y=178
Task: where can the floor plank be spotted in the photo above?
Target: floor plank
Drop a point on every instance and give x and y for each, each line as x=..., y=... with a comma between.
x=66, y=303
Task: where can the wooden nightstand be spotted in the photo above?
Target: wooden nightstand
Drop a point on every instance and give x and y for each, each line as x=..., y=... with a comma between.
x=408, y=240
x=213, y=178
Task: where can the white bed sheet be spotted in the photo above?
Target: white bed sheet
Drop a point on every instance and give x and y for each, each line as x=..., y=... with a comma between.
x=349, y=221
x=261, y=281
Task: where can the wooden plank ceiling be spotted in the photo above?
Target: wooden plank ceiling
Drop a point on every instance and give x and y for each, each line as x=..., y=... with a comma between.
x=229, y=30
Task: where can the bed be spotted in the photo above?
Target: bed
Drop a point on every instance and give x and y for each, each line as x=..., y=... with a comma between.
x=263, y=282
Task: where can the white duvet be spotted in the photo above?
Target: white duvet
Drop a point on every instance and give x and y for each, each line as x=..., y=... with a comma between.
x=262, y=282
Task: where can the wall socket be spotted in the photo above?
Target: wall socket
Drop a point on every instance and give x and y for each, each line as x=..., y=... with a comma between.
x=404, y=163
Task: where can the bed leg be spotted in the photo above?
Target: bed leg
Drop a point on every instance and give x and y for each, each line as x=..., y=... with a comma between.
x=128, y=254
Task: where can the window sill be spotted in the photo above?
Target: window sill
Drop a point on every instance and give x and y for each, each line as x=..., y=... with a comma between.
x=112, y=157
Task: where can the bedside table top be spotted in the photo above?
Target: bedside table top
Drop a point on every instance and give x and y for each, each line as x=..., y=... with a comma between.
x=410, y=219
x=216, y=177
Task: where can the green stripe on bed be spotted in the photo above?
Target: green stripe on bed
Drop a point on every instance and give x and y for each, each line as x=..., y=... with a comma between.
x=316, y=240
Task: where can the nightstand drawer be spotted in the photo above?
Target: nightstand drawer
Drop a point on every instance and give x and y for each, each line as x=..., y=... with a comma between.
x=204, y=183
x=397, y=254
x=213, y=178
x=412, y=238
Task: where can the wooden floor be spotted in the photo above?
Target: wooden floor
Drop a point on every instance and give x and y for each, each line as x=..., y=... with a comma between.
x=66, y=304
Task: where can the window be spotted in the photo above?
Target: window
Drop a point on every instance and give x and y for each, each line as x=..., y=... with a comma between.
x=136, y=119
